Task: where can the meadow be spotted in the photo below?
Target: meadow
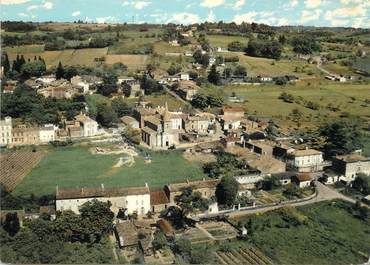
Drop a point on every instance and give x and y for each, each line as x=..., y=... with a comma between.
x=75, y=166
x=321, y=233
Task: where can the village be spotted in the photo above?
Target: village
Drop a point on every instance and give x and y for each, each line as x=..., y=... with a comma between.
x=208, y=143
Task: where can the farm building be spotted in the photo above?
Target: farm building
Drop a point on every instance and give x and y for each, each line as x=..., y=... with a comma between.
x=308, y=160
x=348, y=166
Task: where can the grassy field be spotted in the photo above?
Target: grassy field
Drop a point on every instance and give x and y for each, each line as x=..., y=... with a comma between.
x=322, y=233
x=129, y=46
x=66, y=57
x=133, y=62
x=263, y=100
x=224, y=40
x=24, y=49
x=257, y=66
x=72, y=167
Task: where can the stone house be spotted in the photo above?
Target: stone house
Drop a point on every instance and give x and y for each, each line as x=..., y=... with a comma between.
x=308, y=160
x=130, y=122
x=199, y=123
x=206, y=187
x=24, y=135
x=6, y=131
x=86, y=83
x=231, y=117
x=348, y=166
x=130, y=200
x=47, y=133
x=187, y=90
x=88, y=125
x=158, y=201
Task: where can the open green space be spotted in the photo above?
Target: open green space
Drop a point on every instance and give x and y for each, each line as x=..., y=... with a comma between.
x=322, y=233
x=72, y=167
x=263, y=100
x=224, y=40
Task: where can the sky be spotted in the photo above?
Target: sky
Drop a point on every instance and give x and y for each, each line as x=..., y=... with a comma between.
x=336, y=13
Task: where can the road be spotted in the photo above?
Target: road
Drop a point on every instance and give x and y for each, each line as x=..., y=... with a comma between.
x=324, y=193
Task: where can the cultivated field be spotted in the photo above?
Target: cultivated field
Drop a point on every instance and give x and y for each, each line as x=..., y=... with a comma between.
x=66, y=57
x=224, y=40
x=133, y=62
x=72, y=167
x=322, y=233
x=243, y=256
x=15, y=165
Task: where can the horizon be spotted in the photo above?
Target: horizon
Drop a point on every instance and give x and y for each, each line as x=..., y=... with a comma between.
x=308, y=13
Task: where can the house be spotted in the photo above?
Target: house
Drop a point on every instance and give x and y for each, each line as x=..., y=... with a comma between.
x=126, y=234
x=158, y=201
x=58, y=89
x=340, y=79
x=25, y=135
x=302, y=180
x=212, y=60
x=188, y=54
x=87, y=83
x=259, y=147
x=9, y=86
x=187, y=89
x=88, y=125
x=230, y=140
x=308, y=160
x=46, y=79
x=348, y=166
x=130, y=122
x=47, y=133
x=6, y=131
x=161, y=129
x=232, y=111
x=264, y=78
x=174, y=43
x=199, y=124
x=131, y=200
x=205, y=187
x=284, y=178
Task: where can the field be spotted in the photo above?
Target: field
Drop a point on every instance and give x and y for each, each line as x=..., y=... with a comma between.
x=75, y=166
x=129, y=46
x=15, y=165
x=66, y=57
x=257, y=66
x=242, y=256
x=133, y=62
x=263, y=100
x=224, y=40
x=315, y=234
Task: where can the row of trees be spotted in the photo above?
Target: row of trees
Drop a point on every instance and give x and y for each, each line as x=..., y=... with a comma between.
x=22, y=68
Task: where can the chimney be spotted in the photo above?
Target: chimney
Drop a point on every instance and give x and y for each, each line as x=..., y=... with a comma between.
x=57, y=190
x=204, y=179
x=306, y=147
x=146, y=185
x=82, y=190
x=187, y=181
x=102, y=187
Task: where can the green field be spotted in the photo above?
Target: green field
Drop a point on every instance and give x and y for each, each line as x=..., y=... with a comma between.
x=322, y=233
x=72, y=167
x=131, y=46
x=224, y=40
x=263, y=100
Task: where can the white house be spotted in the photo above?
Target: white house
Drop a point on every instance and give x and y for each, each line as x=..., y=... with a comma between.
x=184, y=76
x=302, y=180
x=47, y=133
x=308, y=160
x=6, y=131
x=129, y=200
x=89, y=126
x=349, y=166
x=46, y=79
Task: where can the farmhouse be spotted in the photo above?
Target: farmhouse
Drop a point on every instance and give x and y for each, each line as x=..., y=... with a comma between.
x=259, y=147
x=86, y=83
x=302, y=180
x=47, y=133
x=348, y=166
x=158, y=201
x=187, y=89
x=205, y=187
x=6, y=131
x=131, y=200
x=308, y=160
x=89, y=126
x=199, y=124
x=130, y=122
x=58, y=89
x=24, y=135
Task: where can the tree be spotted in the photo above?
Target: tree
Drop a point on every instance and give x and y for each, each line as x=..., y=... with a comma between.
x=11, y=223
x=150, y=85
x=106, y=116
x=296, y=115
x=159, y=240
x=199, y=101
x=214, y=76
x=97, y=218
x=5, y=63
x=34, y=68
x=240, y=70
x=174, y=69
x=305, y=45
x=121, y=107
x=235, y=46
x=59, y=72
x=70, y=72
x=226, y=191
x=264, y=48
x=341, y=136
x=289, y=98
x=362, y=183
x=126, y=89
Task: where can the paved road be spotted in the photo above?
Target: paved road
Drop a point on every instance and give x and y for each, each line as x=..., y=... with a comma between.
x=324, y=193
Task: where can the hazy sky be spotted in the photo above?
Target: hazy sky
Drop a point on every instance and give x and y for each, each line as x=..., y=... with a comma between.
x=354, y=13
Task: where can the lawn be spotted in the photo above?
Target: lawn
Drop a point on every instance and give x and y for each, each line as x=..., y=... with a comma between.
x=322, y=233
x=75, y=166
